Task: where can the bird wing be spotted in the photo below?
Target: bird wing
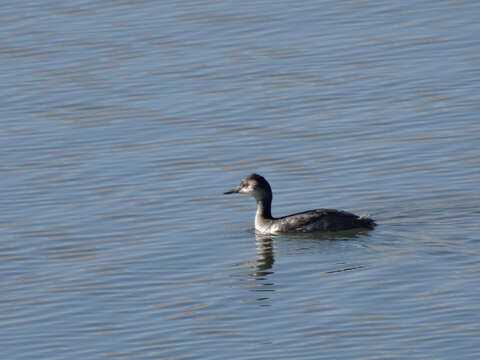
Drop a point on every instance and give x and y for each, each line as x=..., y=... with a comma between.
x=317, y=220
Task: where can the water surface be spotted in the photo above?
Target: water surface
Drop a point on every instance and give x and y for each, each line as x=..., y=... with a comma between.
x=124, y=122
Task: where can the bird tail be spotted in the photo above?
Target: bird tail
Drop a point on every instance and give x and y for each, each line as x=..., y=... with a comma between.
x=367, y=222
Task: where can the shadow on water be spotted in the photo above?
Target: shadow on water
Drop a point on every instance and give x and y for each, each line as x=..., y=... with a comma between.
x=265, y=257
x=303, y=245
x=344, y=235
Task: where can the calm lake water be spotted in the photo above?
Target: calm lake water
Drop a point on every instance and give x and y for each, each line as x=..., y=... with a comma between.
x=124, y=121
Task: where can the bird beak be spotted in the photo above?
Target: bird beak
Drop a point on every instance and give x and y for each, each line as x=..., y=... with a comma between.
x=235, y=190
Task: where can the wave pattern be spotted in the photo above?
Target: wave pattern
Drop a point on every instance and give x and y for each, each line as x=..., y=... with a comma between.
x=123, y=123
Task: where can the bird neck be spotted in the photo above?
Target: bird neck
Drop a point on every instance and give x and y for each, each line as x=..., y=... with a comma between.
x=264, y=208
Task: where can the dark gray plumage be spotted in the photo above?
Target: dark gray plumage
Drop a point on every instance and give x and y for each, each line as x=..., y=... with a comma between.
x=307, y=221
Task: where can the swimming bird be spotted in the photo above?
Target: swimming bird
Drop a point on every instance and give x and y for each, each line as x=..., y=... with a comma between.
x=308, y=221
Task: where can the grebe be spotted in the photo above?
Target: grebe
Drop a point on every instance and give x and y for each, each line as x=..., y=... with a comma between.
x=308, y=221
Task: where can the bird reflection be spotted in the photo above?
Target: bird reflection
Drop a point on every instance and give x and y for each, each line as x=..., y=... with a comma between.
x=261, y=267
x=265, y=258
x=309, y=243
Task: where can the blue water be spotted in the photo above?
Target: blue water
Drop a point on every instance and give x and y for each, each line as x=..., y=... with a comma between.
x=124, y=122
